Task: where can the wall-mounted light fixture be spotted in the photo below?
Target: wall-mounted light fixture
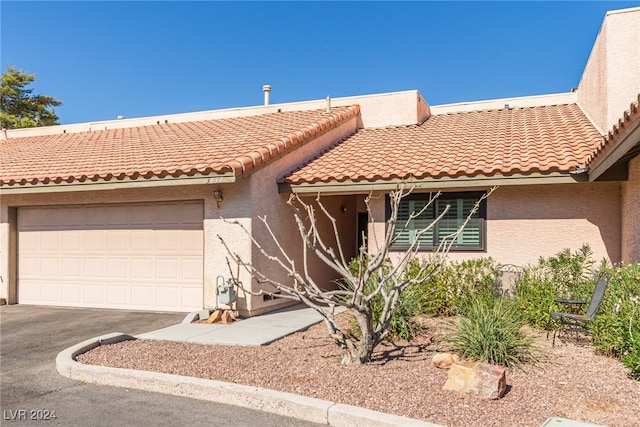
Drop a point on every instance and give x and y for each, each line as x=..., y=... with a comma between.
x=217, y=194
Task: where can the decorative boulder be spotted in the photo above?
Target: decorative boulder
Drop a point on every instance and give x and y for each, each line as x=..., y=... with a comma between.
x=477, y=379
x=445, y=360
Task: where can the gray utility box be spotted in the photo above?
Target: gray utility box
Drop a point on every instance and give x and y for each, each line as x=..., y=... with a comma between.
x=226, y=292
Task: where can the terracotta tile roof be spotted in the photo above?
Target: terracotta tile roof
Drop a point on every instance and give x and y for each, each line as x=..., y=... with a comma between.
x=613, y=136
x=491, y=142
x=234, y=145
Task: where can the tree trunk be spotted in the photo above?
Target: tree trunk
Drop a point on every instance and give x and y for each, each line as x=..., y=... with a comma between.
x=360, y=352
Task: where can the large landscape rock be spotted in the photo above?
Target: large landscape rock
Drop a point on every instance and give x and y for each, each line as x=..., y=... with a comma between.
x=477, y=379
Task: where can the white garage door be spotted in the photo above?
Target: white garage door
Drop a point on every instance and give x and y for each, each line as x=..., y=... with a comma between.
x=146, y=257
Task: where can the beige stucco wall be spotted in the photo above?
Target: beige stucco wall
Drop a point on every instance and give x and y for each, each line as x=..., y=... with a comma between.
x=611, y=79
x=526, y=222
x=631, y=214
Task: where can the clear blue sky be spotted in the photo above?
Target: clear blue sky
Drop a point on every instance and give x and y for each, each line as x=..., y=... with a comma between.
x=104, y=59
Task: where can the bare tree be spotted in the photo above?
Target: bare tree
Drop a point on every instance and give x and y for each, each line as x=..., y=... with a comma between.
x=376, y=275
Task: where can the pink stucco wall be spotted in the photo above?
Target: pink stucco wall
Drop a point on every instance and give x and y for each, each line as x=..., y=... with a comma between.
x=267, y=201
x=631, y=214
x=611, y=78
x=526, y=222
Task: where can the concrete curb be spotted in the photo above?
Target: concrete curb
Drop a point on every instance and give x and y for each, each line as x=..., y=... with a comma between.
x=281, y=403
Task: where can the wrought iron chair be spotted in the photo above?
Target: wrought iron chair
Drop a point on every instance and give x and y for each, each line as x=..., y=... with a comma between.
x=506, y=277
x=571, y=321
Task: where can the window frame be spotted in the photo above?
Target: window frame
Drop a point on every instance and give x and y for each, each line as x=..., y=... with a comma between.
x=466, y=195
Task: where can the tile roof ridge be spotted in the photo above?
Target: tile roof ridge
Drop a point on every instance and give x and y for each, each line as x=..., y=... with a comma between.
x=613, y=135
x=251, y=160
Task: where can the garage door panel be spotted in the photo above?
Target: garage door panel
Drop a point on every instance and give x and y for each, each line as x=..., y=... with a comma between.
x=118, y=268
x=29, y=266
x=167, y=241
x=29, y=241
x=95, y=241
x=73, y=240
x=29, y=291
x=167, y=269
x=191, y=241
x=142, y=295
x=95, y=294
x=112, y=256
x=142, y=240
x=49, y=267
x=118, y=241
x=142, y=268
x=192, y=270
x=50, y=240
x=94, y=267
x=118, y=295
x=73, y=293
x=51, y=291
x=72, y=267
x=167, y=296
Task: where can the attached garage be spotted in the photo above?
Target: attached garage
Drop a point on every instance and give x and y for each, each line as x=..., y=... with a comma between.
x=124, y=256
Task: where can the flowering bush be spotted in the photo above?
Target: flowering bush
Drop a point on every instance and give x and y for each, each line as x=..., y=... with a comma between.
x=616, y=329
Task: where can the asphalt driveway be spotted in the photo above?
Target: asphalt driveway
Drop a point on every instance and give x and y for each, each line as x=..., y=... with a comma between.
x=31, y=389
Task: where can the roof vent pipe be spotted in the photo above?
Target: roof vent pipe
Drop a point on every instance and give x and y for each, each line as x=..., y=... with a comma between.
x=328, y=104
x=267, y=90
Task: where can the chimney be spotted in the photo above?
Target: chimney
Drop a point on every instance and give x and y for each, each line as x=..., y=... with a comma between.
x=266, y=89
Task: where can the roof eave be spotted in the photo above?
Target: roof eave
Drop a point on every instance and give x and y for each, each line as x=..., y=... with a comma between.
x=360, y=187
x=625, y=142
x=116, y=184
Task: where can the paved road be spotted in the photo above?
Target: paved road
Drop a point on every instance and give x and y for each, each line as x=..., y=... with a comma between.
x=31, y=389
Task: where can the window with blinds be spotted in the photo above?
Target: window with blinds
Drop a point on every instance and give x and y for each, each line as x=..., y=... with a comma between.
x=460, y=205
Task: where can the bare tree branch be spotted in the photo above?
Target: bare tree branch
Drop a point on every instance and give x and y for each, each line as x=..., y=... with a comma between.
x=374, y=275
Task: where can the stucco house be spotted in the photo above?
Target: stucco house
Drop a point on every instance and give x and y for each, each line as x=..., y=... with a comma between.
x=127, y=213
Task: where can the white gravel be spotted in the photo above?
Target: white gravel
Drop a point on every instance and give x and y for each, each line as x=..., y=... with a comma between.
x=570, y=382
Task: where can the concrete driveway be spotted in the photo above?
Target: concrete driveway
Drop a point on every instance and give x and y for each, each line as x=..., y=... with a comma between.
x=31, y=389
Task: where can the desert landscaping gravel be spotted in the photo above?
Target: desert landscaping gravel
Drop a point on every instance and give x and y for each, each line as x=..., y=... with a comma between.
x=570, y=380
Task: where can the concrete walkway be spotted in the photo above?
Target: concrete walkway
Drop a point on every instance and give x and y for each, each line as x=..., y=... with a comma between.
x=257, y=330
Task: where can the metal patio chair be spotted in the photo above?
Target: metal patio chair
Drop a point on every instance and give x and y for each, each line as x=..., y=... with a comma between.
x=571, y=321
x=507, y=275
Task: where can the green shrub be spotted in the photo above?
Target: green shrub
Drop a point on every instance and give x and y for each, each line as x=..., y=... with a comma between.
x=449, y=292
x=616, y=328
x=491, y=331
x=631, y=357
x=565, y=275
x=446, y=293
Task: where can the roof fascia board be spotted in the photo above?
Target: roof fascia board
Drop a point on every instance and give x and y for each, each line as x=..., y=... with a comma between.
x=438, y=183
x=118, y=185
x=626, y=142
